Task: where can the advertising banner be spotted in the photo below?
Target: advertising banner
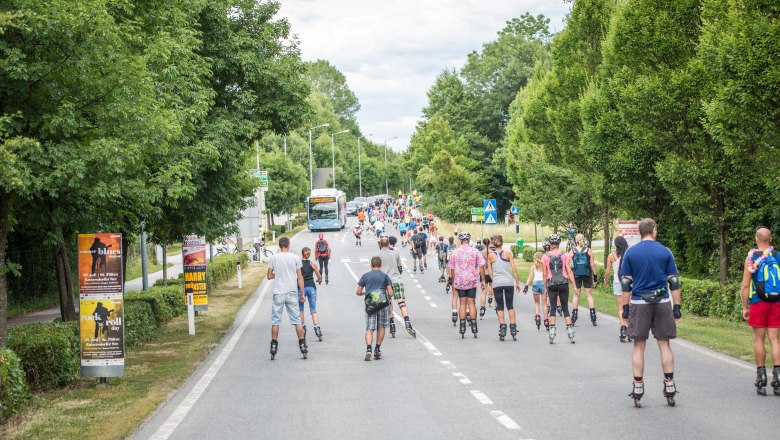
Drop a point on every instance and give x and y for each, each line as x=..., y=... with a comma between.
x=101, y=305
x=629, y=229
x=194, y=254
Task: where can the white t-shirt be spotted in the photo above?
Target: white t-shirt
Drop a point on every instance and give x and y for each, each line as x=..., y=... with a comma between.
x=285, y=266
x=379, y=225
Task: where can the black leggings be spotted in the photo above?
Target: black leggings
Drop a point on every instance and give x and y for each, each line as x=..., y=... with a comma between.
x=504, y=295
x=323, y=264
x=560, y=291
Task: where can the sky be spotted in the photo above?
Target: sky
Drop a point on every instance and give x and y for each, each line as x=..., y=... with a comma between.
x=391, y=51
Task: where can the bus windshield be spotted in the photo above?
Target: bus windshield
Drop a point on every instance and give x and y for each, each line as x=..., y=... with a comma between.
x=326, y=210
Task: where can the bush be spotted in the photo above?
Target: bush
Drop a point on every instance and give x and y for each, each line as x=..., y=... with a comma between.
x=224, y=268
x=166, y=302
x=300, y=220
x=171, y=282
x=49, y=353
x=696, y=295
x=140, y=322
x=528, y=254
x=515, y=249
x=14, y=393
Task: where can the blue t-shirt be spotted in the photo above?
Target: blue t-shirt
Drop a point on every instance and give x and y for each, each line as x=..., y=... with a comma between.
x=412, y=224
x=650, y=264
x=375, y=280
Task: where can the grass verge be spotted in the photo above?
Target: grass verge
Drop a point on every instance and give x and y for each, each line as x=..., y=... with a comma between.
x=153, y=371
x=134, y=267
x=49, y=300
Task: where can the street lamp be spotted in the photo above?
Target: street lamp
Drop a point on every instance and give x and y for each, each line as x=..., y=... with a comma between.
x=360, y=174
x=311, y=173
x=333, y=153
x=385, y=142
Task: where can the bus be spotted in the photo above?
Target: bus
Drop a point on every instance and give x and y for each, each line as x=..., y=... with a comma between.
x=327, y=209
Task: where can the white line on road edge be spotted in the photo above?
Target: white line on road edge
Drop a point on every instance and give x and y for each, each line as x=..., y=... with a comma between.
x=181, y=411
x=433, y=305
x=462, y=378
x=505, y=420
x=448, y=364
x=483, y=399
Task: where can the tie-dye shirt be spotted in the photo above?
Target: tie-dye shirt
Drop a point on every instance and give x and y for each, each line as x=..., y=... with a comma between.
x=466, y=261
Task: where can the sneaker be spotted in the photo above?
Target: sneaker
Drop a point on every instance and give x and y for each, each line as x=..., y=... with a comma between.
x=367, y=357
x=377, y=353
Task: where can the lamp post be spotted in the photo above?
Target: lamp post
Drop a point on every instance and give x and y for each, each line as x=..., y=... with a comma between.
x=311, y=172
x=360, y=173
x=385, y=142
x=333, y=153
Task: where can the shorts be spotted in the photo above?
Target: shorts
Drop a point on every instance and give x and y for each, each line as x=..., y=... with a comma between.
x=311, y=298
x=417, y=253
x=442, y=264
x=398, y=291
x=764, y=314
x=424, y=250
x=467, y=293
x=504, y=297
x=537, y=287
x=656, y=317
x=617, y=288
x=378, y=319
x=288, y=301
x=587, y=282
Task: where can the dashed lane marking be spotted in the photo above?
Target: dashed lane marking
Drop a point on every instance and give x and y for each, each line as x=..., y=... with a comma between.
x=433, y=304
x=483, y=399
x=505, y=420
x=448, y=365
x=462, y=378
x=427, y=298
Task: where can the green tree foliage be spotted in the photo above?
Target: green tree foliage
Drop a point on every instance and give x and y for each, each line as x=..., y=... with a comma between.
x=328, y=80
x=288, y=182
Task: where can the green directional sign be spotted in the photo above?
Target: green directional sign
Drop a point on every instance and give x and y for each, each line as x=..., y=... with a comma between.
x=263, y=176
x=477, y=211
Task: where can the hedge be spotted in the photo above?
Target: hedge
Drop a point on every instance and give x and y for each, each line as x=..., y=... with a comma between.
x=224, y=268
x=710, y=298
x=167, y=302
x=528, y=254
x=14, y=392
x=171, y=282
x=140, y=322
x=49, y=353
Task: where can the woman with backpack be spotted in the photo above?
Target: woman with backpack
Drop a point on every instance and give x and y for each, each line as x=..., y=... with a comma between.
x=503, y=274
x=614, y=263
x=322, y=251
x=557, y=273
x=583, y=266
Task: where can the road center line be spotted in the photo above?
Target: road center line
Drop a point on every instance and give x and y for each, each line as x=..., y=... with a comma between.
x=505, y=420
x=483, y=399
x=462, y=378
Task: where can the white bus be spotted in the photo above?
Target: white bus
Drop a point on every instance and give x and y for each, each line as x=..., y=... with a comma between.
x=327, y=209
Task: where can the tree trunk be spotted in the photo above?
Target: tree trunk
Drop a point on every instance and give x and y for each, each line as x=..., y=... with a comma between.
x=70, y=307
x=165, y=263
x=67, y=310
x=4, y=212
x=722, y=247
x=125, y=250
x=607, y=238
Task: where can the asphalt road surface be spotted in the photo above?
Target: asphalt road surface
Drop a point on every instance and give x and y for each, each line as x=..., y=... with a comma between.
x=439, y=386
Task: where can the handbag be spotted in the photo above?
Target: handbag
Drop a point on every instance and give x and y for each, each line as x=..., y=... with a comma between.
x=376, y=300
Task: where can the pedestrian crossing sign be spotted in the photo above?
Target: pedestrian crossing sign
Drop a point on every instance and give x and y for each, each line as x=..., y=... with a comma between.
x=490, y=219
x=490, y=205
x=491, y=213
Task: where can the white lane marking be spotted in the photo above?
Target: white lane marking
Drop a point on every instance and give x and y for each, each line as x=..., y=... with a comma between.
x=505, y=420
x=345, y=260
x=364, y=260
x=462, y=378
x=427, y=298
x=410, y=275
x=422, y=291
x=433, y=304
x=427, y=344
x=351, y=272
x=403, y=260
x=448, y=365
x=483, y=399
x=181, y=411
x=343, y=237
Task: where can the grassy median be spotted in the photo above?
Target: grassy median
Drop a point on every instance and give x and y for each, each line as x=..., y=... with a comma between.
x=153, y=371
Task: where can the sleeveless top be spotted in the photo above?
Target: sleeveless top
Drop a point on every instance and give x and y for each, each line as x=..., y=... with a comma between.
x=538, y=275
x=308, y=274
x=502, y=271
x=615, y=269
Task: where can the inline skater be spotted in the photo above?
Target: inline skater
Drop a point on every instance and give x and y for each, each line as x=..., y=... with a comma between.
x=391, y=265
x=418, y=246
x=647, y=275
x=546, y=248
x=466, y=267
x=361, y=216
x=503, y=272
x=323, y=252
x=584, y=267
x=760, y=307
x=402, y=232
x=379, y=227
x=487, y=294
x=309, y=272
x=374, y=283
x=285, y=269
x=557, y=272
x=442, y=252
x=357, y=231
x=536, y=281
x=614, y=262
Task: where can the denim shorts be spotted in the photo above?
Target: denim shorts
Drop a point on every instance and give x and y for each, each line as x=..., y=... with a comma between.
x=289, y=301
x=311, y=298
x=537, y=287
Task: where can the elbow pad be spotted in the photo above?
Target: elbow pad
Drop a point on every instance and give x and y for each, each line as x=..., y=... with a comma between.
x=674, y=283
x=626, y=284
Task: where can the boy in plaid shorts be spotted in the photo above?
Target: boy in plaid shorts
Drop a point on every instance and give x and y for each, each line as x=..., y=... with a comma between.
x=391, y=265
x=371, y=281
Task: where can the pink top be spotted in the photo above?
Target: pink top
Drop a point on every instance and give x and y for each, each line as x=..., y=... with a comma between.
x=546, y=262
x=466, y=261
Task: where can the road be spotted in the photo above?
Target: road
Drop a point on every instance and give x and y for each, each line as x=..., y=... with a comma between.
x=440, y=386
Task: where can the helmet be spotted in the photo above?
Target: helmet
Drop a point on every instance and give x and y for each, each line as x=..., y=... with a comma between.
x=322, y=236
x=546, y=245
x=555, y=239
x=464, y=236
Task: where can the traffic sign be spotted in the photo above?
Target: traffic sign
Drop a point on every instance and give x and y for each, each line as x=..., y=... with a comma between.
x=477, y=218
x=477, y=211
x=491, y=211
x=515, y=210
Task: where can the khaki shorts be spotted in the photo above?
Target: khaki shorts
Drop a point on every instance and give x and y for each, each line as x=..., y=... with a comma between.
x=656, y=317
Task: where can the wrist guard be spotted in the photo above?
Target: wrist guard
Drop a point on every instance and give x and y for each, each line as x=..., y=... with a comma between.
x=677, y=311
x=625, y=311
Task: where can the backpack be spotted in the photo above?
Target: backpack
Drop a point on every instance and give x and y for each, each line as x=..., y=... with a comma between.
x=322, y=248
x=581, y=262
x=419, y=241
x=766, y=280
x=556, y=269
x=444, y=251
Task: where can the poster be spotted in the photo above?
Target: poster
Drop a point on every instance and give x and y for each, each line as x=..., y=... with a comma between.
x=629, y=229
x=194, y=255
x=101, y=305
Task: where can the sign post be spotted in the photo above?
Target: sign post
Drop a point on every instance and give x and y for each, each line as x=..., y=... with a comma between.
x=190, y=312
x=194, y=259
x=101, y=306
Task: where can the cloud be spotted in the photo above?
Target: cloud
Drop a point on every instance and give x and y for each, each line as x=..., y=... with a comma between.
x=391, y=51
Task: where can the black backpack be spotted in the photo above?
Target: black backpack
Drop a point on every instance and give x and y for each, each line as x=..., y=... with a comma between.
x=556, y=270
x=419, y=241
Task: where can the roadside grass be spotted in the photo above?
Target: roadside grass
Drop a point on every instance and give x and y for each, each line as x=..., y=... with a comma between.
x=174, y=249
x=294, y=231
x=134, y=267
x=49, y=300
x=153, y=371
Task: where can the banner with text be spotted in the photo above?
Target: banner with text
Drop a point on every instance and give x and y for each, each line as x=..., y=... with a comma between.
x=101, y=305
x=194, y=254
x=629, y=229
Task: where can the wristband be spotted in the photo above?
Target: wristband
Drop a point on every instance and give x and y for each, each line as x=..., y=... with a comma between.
x=677, y=311
x=625, y=311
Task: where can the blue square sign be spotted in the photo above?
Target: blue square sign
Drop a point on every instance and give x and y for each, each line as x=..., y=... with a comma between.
x=491, y=212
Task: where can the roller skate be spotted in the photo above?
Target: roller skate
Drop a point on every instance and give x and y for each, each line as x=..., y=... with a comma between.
x=669, y=391
x=501, y=331
x=761, y=381
x=415, y=269
x=409, y=329
x=304, y=349
x=392, y=326
x=538, y=321
x=367, y=357
x=454, y=318
x=776, y=380
x=623, y=334
x=513, y=331
x=274, y=348
x=447, y=289
x=637, y=393
x=474, y=327
x=570, y=332
x=547, y=324
x=326, y=279
x=574, y=315
x=318, y=332
x=593, y=317
x=441, y=279
x=462, y=329
x=552, y=331
x=481, y=312
x=490, y=300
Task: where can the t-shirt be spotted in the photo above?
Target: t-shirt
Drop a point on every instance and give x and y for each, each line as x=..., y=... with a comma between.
x=442, y=249
x=375, y=280
x=390, y=262
x=285, y=266
x=564, y=258
x=650, y=264
x=466, y=262
x=379, y=225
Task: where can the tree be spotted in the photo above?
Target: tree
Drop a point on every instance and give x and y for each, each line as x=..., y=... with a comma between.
x=324, y=78
x=288, y=183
